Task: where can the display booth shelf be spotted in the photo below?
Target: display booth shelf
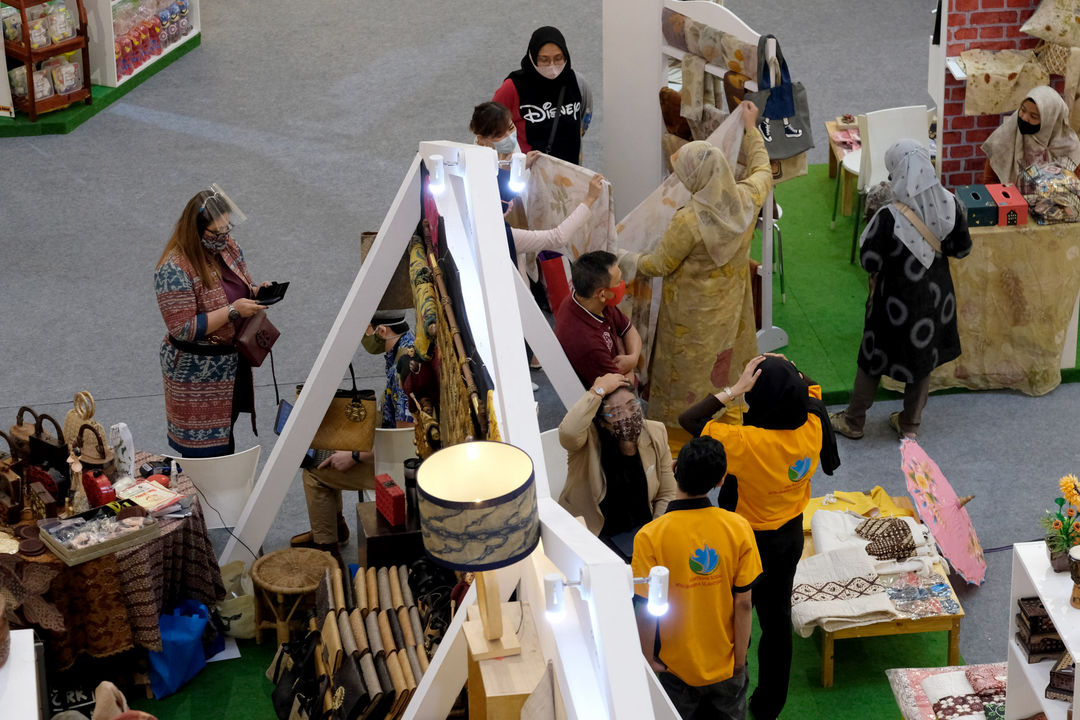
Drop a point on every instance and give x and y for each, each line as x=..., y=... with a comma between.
x=103, y=39
x=1032, y=576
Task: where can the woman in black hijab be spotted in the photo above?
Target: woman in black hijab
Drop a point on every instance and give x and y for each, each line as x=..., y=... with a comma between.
x=551, y=105
x=784, y=437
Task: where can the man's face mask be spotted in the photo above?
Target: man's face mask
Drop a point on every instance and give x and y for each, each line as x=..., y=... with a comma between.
x=373, y=344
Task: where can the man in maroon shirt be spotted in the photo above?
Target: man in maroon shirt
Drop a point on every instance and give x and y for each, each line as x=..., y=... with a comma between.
x=597, y=338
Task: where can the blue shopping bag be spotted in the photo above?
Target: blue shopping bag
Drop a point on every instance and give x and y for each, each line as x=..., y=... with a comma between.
x=181, y=657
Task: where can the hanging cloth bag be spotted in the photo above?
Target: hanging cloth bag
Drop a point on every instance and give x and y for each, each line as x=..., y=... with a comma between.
x=783, y=111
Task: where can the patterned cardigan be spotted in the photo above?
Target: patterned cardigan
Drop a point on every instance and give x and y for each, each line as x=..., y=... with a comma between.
x=198, y=388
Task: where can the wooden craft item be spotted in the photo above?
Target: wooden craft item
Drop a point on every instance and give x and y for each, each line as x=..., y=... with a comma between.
x=384, y=631
x=417, y=628
x=356, y=623
x=331, y=642
x=371, y=625
x=406, y=591
x=396, y=600
x=406, y=669
x=348, y=642
x=414, y=662
x=1037, y=655
x=372, y=590
x=1038, y=641
x=1063, y=672
x=360, y=588
x=406, y=626
x=385, y=601
x=20, y=433
x=339, y=592
x=422, y=658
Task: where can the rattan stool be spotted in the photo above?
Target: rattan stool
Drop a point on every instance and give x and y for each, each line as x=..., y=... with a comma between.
x=283, y=576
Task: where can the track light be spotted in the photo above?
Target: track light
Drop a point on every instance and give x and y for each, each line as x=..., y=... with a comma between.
x=554, y=597
x=658, y=590
x=436, y=174
x=555, y=592
x=517, y=172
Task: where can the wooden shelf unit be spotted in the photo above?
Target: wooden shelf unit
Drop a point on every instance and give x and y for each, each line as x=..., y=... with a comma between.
x=30, y=57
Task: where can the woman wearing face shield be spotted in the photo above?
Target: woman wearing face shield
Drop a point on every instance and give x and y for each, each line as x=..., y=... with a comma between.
x=550, y=103
x=619, y=473
x=204, y=292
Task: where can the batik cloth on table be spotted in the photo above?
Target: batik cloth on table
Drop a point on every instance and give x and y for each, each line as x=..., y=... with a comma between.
x=998, y=81
x=642, y=228
x=838, y=589
x=988, y=681
x=112, y=603
x=555, y=189
x=1013, y=309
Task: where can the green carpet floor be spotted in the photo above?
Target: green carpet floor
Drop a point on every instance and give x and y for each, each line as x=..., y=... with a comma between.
x=61, y=122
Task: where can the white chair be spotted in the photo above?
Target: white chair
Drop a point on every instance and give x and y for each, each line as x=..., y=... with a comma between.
x=778, y=245
x=878, y=131
x=223, y=484
x=554, y=461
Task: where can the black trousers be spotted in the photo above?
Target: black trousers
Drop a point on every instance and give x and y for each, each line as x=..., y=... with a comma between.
x=780, y=551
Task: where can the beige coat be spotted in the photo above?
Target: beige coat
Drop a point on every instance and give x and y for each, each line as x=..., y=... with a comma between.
x=585, y=483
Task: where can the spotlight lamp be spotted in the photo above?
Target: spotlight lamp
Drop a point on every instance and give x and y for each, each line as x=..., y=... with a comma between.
x=517, y=172
x=658, y=589
x=555, y=591
x=436, y=174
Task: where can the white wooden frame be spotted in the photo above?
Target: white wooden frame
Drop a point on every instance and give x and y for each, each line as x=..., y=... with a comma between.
x=631, y=32
x=599, y=667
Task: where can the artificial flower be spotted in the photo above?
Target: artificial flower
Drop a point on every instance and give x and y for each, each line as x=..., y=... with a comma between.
x=1070, y=488
x=1071, y=512
x=1057, y=525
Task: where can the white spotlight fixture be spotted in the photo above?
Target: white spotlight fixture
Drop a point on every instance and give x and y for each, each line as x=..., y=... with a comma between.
x=658, y=590
x=555, y=592
x=517, y=172
x=436, y=174
x=554, y=597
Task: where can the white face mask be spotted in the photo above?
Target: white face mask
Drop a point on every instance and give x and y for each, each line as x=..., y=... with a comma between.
x=507, y=146
x=551, y=71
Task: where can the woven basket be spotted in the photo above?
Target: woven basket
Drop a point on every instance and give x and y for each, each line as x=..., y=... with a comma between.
x=292, y=571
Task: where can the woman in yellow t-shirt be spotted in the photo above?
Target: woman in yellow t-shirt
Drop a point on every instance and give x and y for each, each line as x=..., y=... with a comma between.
x=784, y=436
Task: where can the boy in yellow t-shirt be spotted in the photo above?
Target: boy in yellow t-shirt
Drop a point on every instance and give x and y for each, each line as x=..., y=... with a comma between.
x=713, y=561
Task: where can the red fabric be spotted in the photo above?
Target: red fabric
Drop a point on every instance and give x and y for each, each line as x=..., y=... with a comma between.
x=590, y=343
x=558, y=287
x=507, y=95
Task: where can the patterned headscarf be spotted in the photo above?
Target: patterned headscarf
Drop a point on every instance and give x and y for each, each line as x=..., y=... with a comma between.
x=1005, y=147
x=724, y=208
x=915, y=184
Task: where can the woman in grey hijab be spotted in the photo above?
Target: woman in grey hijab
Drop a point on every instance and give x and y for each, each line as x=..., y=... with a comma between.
x=910, y=325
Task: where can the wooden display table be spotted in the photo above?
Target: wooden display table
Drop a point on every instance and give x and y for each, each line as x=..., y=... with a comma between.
x=904, y=626
x=380, y=544
x=836, y=158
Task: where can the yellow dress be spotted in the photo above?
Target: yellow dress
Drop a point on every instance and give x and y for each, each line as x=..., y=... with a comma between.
x=705, y=330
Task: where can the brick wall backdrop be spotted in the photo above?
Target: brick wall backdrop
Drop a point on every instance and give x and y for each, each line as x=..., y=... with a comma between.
x=986, y=25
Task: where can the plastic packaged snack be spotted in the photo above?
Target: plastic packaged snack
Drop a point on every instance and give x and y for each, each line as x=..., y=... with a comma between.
x=1052, y=191
x=60, y=24
x=39, y=33
x=42, y=85
x=67, y=77
x=12, y=23
x=17, y=78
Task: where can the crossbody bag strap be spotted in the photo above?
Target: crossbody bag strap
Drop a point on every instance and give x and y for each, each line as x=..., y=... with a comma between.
x=558, y=116
x=928, y=236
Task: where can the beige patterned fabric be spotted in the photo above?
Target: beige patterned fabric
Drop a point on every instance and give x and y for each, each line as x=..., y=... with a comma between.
x=738, y=55
x=1055, y=21
x=1072, y=88
x=693, y=79
x=1013, y=309
x=555, y=189
x=997, y=82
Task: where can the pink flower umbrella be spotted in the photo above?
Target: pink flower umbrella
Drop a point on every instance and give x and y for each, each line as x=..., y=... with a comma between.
x=942, y=512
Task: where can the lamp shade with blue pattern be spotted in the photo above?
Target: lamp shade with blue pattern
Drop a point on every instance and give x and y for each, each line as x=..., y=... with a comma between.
x=478, y=505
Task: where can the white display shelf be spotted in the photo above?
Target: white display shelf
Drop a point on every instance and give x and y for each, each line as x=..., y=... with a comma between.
x=102, y=42
x=18, y=678
x=1032, y=576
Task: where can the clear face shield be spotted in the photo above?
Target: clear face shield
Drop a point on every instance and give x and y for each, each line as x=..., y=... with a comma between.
x=220, y=212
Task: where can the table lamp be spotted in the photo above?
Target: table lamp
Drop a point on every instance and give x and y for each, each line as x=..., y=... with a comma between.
x=478, y=513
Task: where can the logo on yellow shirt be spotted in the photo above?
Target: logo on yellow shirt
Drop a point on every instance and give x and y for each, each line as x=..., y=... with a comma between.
x=704, y=560
x=798, y=471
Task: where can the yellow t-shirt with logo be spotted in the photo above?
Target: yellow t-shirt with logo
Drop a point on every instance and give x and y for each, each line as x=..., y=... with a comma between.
x=774, y=467
x=710, y=553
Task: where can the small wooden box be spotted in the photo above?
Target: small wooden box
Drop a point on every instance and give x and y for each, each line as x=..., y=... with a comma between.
x=390, y=500
x=1012, y=207
x=982, y=210
x=1063, y=673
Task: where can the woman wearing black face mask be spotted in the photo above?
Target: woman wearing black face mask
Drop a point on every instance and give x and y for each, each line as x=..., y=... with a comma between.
x=619, y=474
x=204, y=291
x=1037, y=132
x=550, y=103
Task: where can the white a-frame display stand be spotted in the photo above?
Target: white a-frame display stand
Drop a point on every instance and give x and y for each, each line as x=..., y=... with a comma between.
x=598, y=666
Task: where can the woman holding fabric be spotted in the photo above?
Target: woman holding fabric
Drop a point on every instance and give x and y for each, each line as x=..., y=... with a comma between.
x=550, y=103
x=204, y=291
x=1037, y=132
x=910, y=325
x=774, y=453
x=619, y=473
x=705, y=329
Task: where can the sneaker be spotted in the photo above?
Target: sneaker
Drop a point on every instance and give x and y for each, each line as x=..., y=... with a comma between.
x=841, y=425
x=791, y=132
x=894, y=423
x=764, y=127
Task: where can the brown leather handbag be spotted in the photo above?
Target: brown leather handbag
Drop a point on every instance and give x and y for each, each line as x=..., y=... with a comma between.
x=46, y=450
x=20, y=433
x=256, y=337
x=350, y=420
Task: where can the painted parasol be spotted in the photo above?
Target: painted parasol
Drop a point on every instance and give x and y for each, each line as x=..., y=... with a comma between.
x=943, y=513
